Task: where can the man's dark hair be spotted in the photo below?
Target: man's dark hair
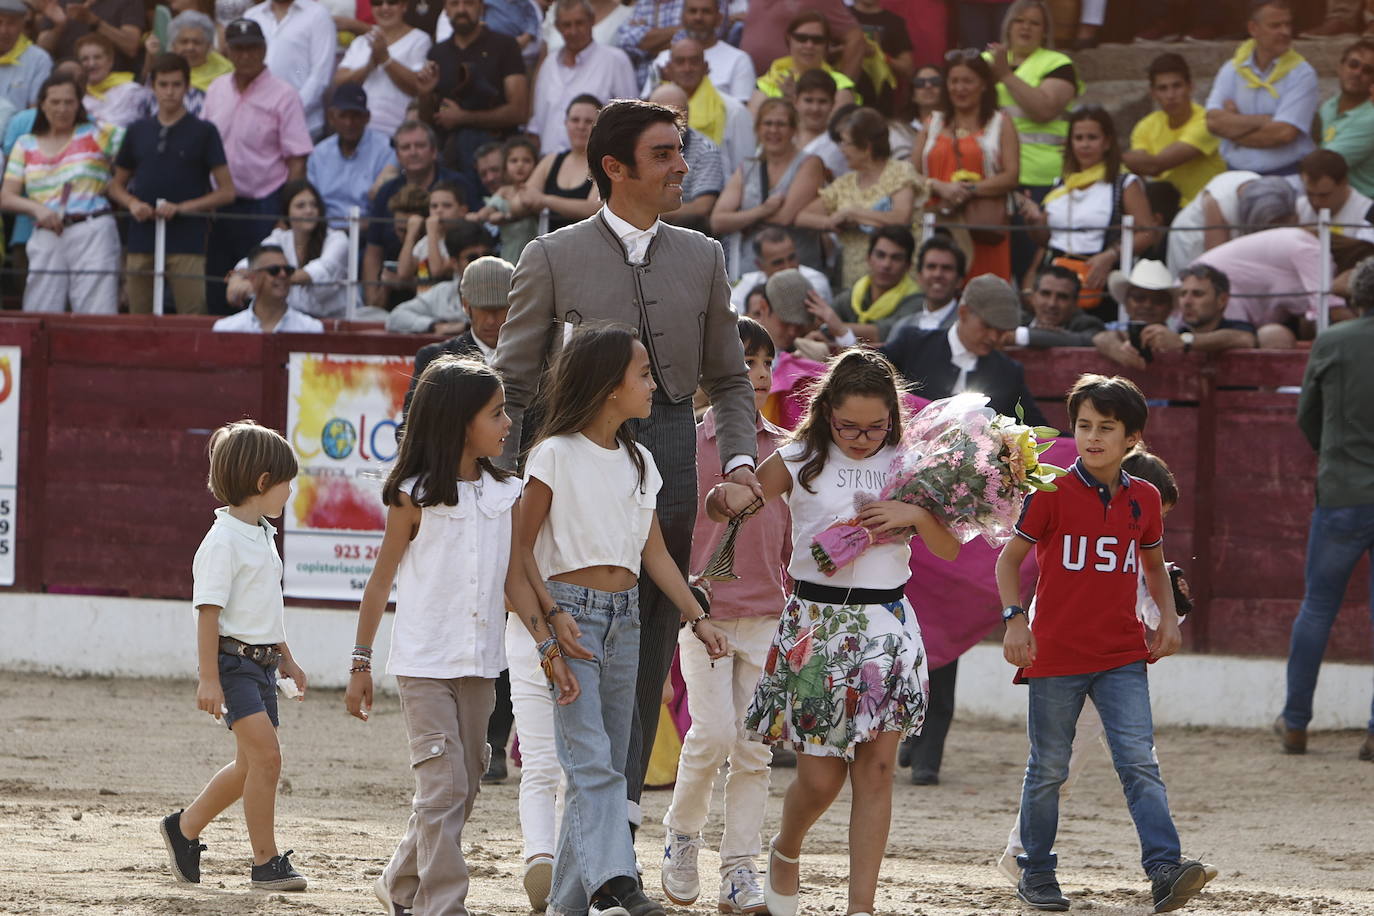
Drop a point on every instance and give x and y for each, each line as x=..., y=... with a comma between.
x=1163, y=199
x=769, y=235
x=1363, y=44
x=1169, y=63
x=816, y=80
x=1253, y=7
x=170, y=63
x=258, y=251
x=1221, y=284
x=1362, y=286
x=1114, y=397
x=943, y=242
x=465, y=235
x=755, y=337
x=1061, y=273
x=616, y=134
x=897, y=235
x=455, y=188
x=585, y=98
x=1324, y=163
x=486, y=149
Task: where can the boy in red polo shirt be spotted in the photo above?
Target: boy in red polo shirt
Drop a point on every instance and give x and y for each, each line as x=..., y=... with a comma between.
x=1092, y=538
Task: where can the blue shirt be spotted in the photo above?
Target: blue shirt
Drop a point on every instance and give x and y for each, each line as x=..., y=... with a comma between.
x=172, y=163
x=20, y=80
x=345, y=180
x=513, y=18
x=1296, y=104
x=19, y=125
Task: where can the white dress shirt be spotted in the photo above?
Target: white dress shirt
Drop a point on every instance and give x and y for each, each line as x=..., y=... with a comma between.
x=292, y=322
x=300, y=51
x=927, y=320
x=325, y=296
x=601, y=71
x=962, y=357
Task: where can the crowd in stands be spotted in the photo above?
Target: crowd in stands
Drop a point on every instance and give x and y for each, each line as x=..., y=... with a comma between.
x=822, y=137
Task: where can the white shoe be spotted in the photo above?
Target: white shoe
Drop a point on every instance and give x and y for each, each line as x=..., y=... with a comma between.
x=779, y=904
x=680, y=881
x=539, y=881
x=1007, y=866
x=383, y=894
x=740, y=891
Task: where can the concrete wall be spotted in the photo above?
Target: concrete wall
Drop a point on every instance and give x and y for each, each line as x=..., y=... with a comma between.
x=75, y=635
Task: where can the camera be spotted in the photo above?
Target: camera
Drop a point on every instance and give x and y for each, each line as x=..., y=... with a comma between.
x=1134, y=330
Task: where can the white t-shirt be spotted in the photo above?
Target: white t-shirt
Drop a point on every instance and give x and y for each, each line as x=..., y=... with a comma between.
x=451, y=585
x=1091, y=207
x=600, y=515
x=839, y=488
x=1186, y=233
x=237, y=568
x=1351, y=219
x=385, y=100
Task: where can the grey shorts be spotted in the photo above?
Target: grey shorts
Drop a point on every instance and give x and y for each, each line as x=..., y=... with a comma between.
x=248, y=688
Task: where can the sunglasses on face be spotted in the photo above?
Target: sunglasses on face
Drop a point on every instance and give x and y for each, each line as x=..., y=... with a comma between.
x=1366, y=69
x=852, y=433
x=274, y=270
x=808, y=38
x=928, y=82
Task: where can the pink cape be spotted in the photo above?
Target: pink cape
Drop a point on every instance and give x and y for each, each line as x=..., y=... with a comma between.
x=956, y=603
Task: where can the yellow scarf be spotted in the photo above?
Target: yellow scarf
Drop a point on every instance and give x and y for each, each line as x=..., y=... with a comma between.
x=116, y=78
x=1078, y=181
x=1286, y=64
x=876, y=67
x=885, y=304
x=11, y=57
x=770, y=84
x=706, y=111
x=215, y=66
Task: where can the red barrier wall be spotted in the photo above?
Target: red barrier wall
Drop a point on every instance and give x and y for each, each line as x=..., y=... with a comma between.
x=116, y=413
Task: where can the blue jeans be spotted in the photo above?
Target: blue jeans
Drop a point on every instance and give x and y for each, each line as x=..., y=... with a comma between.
x=1337, y=540
x=593, y=738
x=1122, y=698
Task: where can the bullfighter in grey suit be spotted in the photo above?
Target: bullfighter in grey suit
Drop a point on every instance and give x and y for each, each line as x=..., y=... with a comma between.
x=625, y=265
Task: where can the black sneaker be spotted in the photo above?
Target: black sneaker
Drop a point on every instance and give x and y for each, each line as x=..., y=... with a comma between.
x=1041, y=891
x=183, y=853
x=276, y=874
x=1175, y=885
x=622, y=897
x=496, y=769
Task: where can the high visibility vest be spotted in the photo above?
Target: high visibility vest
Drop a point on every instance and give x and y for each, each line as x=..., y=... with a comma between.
x=1042, y=143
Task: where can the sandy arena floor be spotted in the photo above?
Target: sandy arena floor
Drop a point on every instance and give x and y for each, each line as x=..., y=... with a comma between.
x=88, y=766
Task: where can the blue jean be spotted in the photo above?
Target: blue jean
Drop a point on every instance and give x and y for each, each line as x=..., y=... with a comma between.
x=1335, y=543
x=593, y=737
x=1122, y=698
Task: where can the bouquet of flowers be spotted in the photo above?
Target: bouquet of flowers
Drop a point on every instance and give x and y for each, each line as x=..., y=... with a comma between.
x=969, y=466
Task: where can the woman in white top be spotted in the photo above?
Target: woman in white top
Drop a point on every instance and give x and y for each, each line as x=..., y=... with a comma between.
x=1074, y=221
x=317, y=254
x=385, y=61
x=608, y=16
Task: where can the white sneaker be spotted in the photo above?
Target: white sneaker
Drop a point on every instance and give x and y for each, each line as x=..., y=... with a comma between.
x=679, y=876
x=538, y=882
x=740, y=891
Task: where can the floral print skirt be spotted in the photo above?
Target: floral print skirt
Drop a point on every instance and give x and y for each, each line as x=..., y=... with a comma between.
x=837, y=675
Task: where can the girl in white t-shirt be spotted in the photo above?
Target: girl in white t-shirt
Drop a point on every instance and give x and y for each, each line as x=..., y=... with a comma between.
x=588, y=522
x=845, y=679
x=450, y=536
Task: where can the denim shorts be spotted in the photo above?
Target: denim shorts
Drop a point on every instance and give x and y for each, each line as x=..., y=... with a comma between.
x=248, y=688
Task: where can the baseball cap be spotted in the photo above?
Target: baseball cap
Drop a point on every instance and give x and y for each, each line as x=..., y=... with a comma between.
x=992, y=299
x=486, y=283
x=786, y=291
x=243, y=32
x=348, y=97
x=14, y=7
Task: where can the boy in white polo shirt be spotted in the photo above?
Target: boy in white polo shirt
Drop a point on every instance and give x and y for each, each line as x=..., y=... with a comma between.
x=241, y=646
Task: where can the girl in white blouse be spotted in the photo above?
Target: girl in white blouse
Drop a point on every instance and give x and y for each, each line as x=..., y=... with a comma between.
x=450, y=536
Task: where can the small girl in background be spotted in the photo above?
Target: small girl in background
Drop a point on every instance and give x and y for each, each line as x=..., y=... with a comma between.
x=450, y=534
x=588, y=517
x=241, y=648
x=426, y=259
x=1141, y=463
x=746, y=610
x=845, y=679
x=522, y=153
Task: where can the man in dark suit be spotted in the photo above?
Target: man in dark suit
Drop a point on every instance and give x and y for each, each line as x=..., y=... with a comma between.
x=966, y=357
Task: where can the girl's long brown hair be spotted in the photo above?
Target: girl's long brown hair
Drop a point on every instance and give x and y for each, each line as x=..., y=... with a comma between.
x=590, y=366
x=856, y=371
x=449, y=393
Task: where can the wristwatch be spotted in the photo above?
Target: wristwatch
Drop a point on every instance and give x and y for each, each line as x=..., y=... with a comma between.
x=1187, y=337
x=1011, y=611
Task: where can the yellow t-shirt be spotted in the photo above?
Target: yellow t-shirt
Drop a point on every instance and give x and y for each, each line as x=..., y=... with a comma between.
x=1153, y=134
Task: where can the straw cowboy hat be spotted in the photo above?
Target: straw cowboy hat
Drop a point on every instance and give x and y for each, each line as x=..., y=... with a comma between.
x=1146, y=275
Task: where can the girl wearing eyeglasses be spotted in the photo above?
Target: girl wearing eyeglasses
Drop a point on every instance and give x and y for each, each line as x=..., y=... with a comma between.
x=845, y=678
x=925, y=94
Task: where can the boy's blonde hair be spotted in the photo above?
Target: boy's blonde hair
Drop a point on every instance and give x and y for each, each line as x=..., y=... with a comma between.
x=240, y=453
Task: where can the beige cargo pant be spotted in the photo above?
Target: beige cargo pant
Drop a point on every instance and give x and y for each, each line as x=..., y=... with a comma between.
x=446, y=721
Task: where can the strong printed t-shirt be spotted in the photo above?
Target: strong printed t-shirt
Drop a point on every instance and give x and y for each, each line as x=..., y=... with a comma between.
x=74, y=180
x=1088, y=545
x=1153, y=134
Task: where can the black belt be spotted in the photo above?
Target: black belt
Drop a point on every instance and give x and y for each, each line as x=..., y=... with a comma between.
x=266, y=656
x=829, y=594
x=74, y=218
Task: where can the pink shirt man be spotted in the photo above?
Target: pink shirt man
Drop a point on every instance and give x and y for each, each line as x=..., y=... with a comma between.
x=1274, y=274
x=261, y=127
